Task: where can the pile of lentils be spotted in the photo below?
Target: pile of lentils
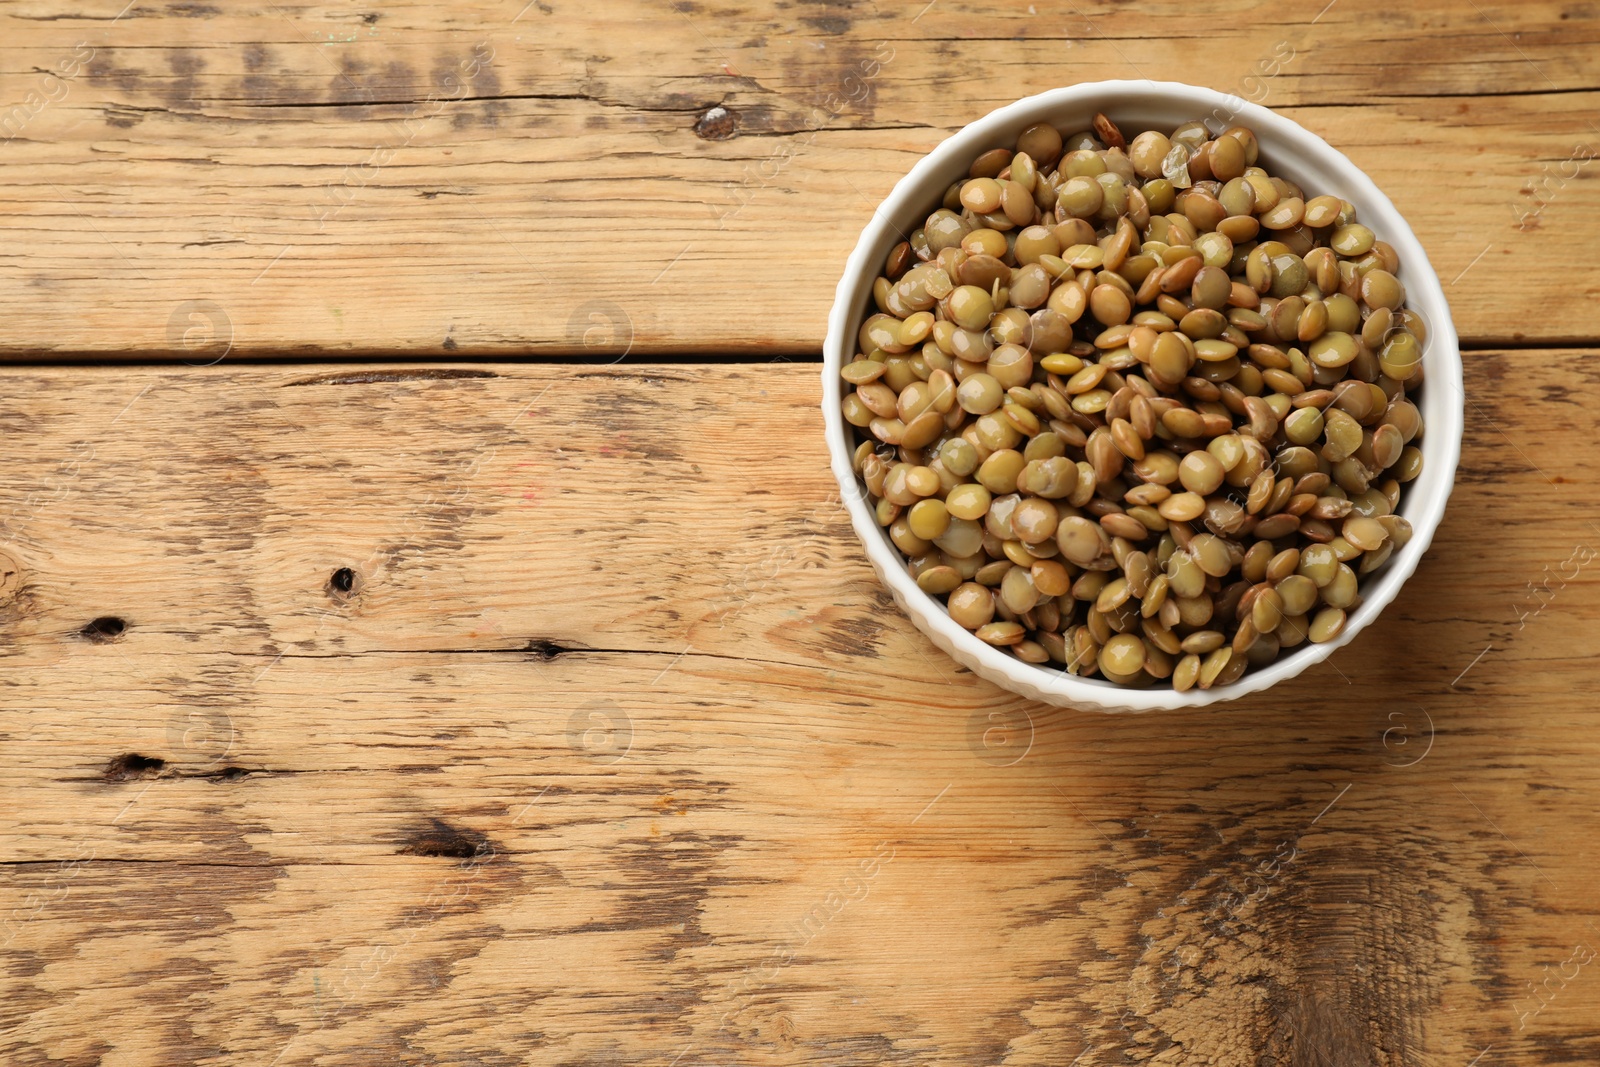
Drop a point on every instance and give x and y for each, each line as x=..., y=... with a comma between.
x=1139, y=409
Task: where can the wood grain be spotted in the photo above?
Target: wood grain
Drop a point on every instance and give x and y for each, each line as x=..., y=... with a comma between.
x=497, y=179
x=493, y=713
x=499, y=804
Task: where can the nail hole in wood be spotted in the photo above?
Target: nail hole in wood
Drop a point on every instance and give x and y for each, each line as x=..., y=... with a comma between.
x=342, y=583
x=546, y=650
x=717, y=124
x=132, y=765
x=105, y=628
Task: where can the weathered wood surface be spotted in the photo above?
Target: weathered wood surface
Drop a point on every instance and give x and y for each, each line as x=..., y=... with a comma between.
x=490, y=714
x=494, y=178
x=612, y=753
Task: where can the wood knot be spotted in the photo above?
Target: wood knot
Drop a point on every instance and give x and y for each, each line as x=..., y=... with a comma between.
x=442, y=839
x=717, y=124
x=1314, y=1032
x=10, y=577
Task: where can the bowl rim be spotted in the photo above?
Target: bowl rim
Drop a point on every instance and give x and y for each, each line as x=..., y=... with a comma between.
x=1426, y=496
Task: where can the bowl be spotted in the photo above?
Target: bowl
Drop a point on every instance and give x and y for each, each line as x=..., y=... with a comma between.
x=1288, y=150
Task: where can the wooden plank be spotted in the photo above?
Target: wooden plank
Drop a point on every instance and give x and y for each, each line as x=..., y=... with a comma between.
x=314, y=179
x=1087, y=895
x=498, y=508
x=786, y=831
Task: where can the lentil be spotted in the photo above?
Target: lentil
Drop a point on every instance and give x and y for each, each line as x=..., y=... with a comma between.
x=1145, y=376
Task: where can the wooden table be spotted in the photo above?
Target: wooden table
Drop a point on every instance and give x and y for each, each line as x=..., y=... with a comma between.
x=374, y=693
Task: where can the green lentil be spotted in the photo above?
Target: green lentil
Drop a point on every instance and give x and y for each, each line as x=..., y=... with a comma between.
x=1401, y=356
x=1145, y=376
x=1326, y=625
x=1352, y=240
x=928, y=519
x=1123, y=654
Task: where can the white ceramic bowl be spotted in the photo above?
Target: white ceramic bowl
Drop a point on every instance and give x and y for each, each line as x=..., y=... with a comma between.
x=1286, y=149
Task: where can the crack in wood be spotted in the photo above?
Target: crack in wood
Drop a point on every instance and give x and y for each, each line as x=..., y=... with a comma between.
x=378, y=376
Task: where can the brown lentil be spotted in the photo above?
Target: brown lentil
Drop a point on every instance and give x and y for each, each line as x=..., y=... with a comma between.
x=1138, y=407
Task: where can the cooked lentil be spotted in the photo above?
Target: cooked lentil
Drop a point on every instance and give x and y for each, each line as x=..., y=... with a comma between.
x=1140, y=408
